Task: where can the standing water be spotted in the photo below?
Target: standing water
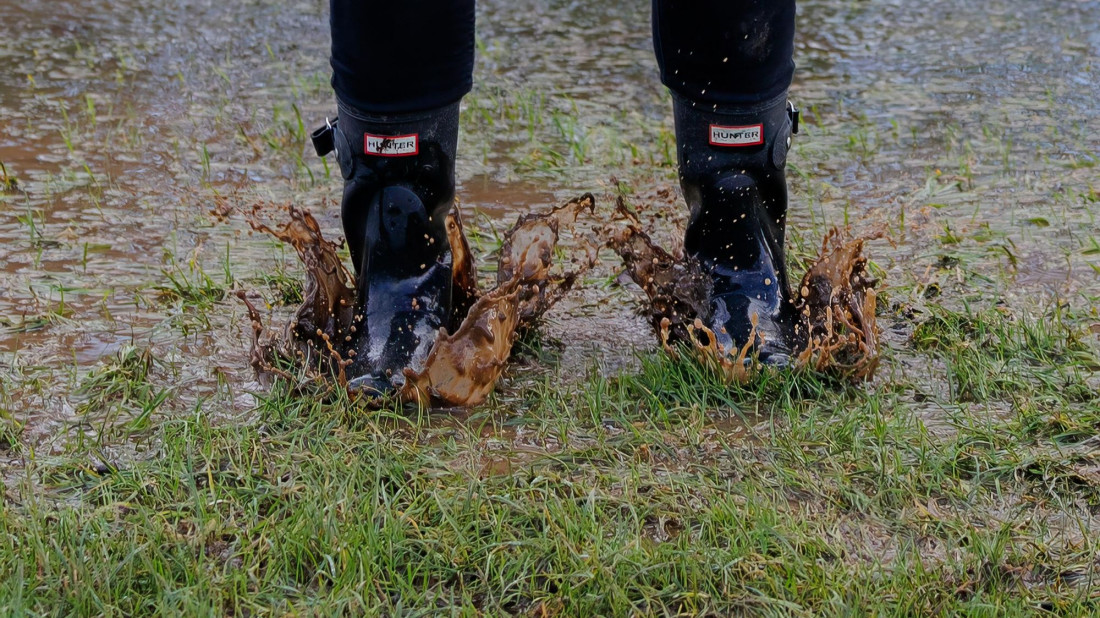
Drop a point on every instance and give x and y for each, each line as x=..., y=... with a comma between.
x=960, y=133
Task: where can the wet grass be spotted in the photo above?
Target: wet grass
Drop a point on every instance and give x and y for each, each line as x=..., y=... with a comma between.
x=119, y=398
x=556, y=136
x=962, y=481
x=153, y=480
x=10, y=432
x=661, y=491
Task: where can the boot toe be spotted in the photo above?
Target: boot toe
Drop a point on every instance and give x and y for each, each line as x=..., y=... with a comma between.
x=731, y=321
x=775, y=357
x=374, y=384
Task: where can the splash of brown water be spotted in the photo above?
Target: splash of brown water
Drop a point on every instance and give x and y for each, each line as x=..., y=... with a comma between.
x=676, y=288
x=836, y=303
x=318, y=336
x=462, y=368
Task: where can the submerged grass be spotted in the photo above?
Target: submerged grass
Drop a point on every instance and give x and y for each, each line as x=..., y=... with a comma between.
x=120, y=397
x=660, y=492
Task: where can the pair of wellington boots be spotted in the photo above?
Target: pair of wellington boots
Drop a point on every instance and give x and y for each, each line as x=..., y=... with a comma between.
x=399, y=186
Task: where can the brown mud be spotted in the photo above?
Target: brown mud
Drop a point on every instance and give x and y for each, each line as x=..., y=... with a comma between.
x=463, y=366
x=835, y=300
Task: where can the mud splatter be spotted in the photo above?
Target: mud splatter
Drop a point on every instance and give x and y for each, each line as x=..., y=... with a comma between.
x=836, y=303
x=463, y=367
x=319, y=335
x=676, y=288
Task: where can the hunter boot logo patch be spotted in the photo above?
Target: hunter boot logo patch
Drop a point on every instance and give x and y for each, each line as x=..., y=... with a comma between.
x=392, y=145
x=752, y=135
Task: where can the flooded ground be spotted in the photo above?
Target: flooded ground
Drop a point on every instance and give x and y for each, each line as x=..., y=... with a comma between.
x=144, y=469
x=960, y=133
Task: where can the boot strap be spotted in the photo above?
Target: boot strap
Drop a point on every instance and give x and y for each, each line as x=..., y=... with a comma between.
x=324, y=138
x=795, y=115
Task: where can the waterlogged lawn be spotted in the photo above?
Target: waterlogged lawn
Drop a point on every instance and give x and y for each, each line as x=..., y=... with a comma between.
x=143, y=471
x=658, y=492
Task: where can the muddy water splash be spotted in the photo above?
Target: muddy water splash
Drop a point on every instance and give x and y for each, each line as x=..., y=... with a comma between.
x=462, y=368
x=318, y=338
x=676, y=288
x=836, y=302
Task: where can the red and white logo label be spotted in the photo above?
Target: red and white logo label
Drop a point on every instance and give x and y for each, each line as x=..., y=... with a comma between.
x=392, y=145
x=752, y=135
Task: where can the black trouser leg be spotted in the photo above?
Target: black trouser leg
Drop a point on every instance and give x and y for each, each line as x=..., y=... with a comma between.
x=396, y=56
x=725, y=51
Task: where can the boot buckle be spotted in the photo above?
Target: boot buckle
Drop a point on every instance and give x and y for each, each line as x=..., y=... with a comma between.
x=795, y=117
x=324, y=138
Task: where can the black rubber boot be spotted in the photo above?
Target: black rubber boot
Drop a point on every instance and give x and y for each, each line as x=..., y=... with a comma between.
x=732, y=163
x=398, y=189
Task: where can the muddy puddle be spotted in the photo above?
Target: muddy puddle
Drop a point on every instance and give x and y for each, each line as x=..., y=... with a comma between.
x=967, y=141
x=464, y=365
x=836, y=304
